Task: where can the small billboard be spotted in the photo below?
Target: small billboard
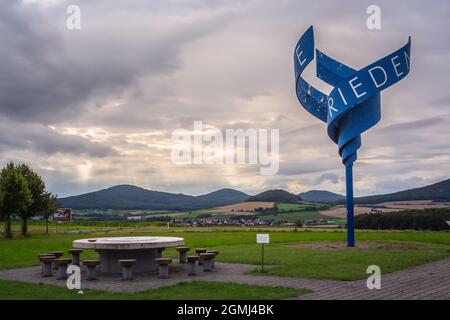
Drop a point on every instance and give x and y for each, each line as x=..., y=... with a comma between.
x=63, y=215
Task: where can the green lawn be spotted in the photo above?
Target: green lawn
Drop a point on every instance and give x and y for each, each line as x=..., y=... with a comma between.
x=330, y=264
x=241, y=247
x=198, y=290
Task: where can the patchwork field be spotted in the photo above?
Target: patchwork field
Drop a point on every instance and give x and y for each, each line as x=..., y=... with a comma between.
x=286, y=212
x=341, y=212
x=415, y=205
x=243, y=208
x=394, y=206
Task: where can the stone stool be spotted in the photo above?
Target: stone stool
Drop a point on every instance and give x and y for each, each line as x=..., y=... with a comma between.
x=75, y=256
x=216, y=253
x=57, y=254
x=207, y=259
x=44, y=255
x=191, y=260
x=183, y=253
x=91, y=266
x=160, y=252
x=47, y=262
x=127, y=268
x=199, y=251
x=62, y=264
x=163, y=267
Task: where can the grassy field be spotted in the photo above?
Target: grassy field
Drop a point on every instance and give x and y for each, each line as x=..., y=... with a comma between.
x=289, y=212
x=297, y=215
x=194, y=214
x=198, y=290
x=286, y=211
x=301, y=215
x=331, y=264
x=340, y=264
x=236, y=245
x=302, y=205
x=303, y=210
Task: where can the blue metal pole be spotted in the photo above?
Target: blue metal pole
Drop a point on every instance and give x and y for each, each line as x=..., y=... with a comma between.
x=350, y=213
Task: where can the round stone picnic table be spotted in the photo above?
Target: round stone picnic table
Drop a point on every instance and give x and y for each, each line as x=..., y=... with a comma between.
x=144, y=249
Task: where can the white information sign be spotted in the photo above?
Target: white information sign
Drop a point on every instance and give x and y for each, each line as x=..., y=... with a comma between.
x=262, y=238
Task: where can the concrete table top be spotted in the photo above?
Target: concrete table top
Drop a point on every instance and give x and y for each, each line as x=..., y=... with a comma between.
x=142, y=249
x=128, y=243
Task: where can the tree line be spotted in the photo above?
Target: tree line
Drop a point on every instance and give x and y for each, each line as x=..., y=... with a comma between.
x=427, y=219
x=23, y=192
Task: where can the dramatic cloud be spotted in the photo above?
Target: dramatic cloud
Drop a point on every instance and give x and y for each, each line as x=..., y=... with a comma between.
x=48, y=141
x=95, y=107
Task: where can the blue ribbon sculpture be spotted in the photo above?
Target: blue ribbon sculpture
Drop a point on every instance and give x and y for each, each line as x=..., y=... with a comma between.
x=353, y=106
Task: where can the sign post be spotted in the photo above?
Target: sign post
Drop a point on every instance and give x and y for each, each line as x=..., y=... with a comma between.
x=262, y=239
x=62, y=215
x=354, y=104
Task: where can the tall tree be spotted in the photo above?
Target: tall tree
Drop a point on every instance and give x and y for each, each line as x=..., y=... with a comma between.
x=37, y=191
x=51, y=204
x=16, y=195
x=1, y=201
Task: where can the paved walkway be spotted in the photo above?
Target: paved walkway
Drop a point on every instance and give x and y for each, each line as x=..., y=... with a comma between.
x=430, y=281
x=427, y=282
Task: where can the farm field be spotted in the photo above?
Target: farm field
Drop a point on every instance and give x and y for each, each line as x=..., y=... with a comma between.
x=301, y=205
x=415, y=205
x=298, y=215
x=392, y=206
x=243, y=208
x=285, y=212
x=282, y=212
x=292, y=212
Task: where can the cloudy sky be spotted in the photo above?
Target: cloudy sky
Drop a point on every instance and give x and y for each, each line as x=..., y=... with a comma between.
x=96, y=107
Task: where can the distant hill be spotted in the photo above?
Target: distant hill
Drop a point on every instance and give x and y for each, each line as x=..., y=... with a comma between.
x=439, y=192
x=221, y=197
x=321, y=196
x=275, y=196
x=132, y=197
